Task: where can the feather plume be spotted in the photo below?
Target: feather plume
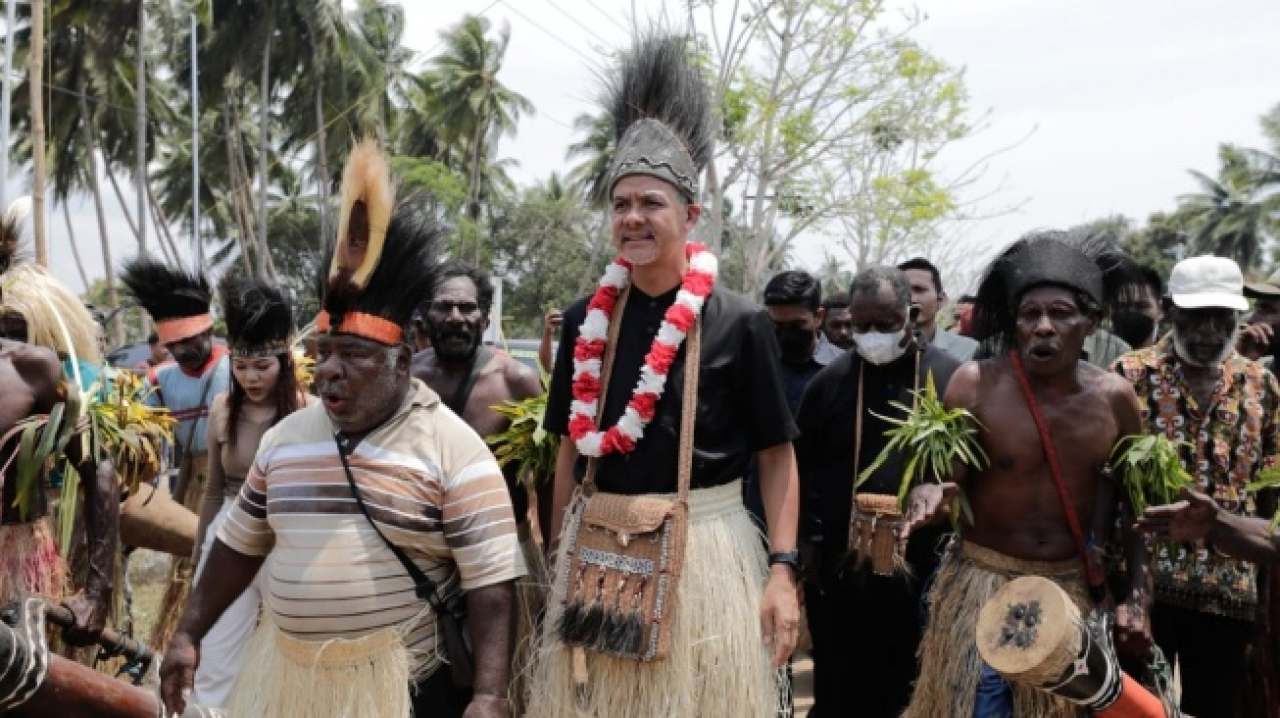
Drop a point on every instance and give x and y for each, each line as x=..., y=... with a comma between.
x=367, y=198
x=257, y=316
x=166, y=292
x=658, y=80
x=404, y=277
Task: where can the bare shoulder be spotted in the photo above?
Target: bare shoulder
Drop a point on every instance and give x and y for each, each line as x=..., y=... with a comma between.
x=522, y=381
x=970, y=382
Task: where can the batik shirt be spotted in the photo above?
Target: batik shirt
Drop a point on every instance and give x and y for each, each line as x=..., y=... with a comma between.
x=1228, y=443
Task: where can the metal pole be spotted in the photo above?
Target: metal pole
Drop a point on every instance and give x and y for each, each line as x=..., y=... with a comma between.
x=195, y=146
x=10, y=7
x=141, y=128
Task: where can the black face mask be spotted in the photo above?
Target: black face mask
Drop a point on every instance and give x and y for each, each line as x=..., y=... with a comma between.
x=795, y=342
x=1135, y=328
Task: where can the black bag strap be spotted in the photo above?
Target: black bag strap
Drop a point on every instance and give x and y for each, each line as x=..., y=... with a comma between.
x=423, y=586
x=458, y=403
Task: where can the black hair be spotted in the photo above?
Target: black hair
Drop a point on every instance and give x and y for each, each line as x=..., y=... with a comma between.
x=870, y=279
x=794, y=287
x=1152, y=278
x=153, y=339
x=966, y=299
x=836, y=300
x=479, y=277
x=923, y=264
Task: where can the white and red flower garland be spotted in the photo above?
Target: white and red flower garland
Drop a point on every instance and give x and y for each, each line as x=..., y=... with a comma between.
x=588, y=355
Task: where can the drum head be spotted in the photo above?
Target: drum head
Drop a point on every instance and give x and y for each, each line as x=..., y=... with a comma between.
x=1030, y=628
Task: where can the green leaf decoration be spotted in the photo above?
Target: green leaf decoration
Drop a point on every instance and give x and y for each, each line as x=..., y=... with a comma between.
x=525, y=443
x=1150, y=470
x=932, y=438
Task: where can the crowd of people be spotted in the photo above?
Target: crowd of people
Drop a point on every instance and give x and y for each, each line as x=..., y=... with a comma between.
x=726, y=471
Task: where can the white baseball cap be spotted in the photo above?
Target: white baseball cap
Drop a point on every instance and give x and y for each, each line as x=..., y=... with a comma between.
x=1207, y=282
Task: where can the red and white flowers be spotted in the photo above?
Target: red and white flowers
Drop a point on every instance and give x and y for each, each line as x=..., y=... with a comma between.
x=588, y=355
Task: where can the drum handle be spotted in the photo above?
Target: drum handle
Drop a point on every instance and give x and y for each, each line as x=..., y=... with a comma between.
x=111, y=642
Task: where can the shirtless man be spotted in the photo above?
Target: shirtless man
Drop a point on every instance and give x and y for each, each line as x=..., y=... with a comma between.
x=471, y=379
x=31, y=384
x=1040, y=300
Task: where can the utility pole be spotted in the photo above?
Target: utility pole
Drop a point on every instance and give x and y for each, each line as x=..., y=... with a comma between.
x=195, y=146
x=10, y=8
x=141, y=127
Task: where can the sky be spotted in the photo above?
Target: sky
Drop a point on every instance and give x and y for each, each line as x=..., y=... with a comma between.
x=1100, y=107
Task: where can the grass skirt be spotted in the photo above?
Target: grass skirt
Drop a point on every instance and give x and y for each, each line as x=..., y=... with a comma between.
x=718, y=664
x=531, y=602
x=284, y=677
x=30, y=562
x=178, y=587
x=950, y=667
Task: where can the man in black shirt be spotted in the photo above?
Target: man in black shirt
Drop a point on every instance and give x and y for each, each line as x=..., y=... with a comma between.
x=865, y=626
x=794, y=302
x=719, y=663
x=837, y=322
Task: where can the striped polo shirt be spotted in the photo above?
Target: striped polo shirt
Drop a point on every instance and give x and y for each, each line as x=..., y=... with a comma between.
x=427, y=479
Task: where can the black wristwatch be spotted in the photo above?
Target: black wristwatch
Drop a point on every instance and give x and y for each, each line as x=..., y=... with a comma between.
x=787, y=558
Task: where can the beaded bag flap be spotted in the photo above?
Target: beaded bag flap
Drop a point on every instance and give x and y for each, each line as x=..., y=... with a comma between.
x=624, y=554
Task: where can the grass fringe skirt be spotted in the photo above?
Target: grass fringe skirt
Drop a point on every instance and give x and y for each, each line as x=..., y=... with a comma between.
x=531, y=602
x=718, y=664
x=30, y=562
x=181, y=571
x=284, y=677
x=950, y=667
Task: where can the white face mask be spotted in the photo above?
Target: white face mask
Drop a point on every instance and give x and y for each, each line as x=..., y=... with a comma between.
x=879, y=347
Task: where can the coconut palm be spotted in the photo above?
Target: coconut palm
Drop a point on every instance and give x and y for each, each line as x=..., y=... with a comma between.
x=596, y=149
x=470, y=107
x=1238, y=212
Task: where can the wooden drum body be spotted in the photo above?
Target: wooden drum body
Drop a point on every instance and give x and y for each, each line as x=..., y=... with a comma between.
x=151, y=519
x=1032, y=633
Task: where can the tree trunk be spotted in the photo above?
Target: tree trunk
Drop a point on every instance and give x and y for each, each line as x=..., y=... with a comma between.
x=108, y=266
x=322, y=155
x=264, y=144
x=124, y=206
x=10, y=11
x=164, y=234
x=140, y=171
x=35, y=70
x=477, y=152
x=715, y=214
x=75, y=249
x=233, y=180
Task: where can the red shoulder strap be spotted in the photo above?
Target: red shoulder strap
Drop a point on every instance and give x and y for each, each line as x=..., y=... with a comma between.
x=1092, y=573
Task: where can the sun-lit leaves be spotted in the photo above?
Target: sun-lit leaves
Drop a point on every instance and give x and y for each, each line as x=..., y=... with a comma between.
x=1150, y=470
x=525, y=443
x=931, y=438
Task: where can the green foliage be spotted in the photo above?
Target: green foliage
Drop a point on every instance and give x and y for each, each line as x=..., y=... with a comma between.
x=525, y=443
x=1268, y=479
x=931, y=438
x=444, y=184
x=1150, y=470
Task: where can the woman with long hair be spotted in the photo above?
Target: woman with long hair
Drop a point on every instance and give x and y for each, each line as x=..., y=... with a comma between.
x=264, y=390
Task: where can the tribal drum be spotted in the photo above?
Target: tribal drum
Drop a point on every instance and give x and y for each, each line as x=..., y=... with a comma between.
x=1032, y=633
x=152, y=520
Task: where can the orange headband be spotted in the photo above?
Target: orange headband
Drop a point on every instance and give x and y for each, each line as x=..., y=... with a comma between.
x=175, y=330
x=368, y=326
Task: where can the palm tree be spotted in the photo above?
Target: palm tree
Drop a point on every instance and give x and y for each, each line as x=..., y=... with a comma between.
x=471, y=108
x=1235, y=214
x=596, y=148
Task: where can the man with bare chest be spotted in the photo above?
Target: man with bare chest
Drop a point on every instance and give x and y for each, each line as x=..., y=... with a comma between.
x=1049, y=424
x=31, y=384
x=471, y=379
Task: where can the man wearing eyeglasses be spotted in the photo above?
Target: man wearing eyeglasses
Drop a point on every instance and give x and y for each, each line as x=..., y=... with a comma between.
x=1195, y=388
x=472, y=379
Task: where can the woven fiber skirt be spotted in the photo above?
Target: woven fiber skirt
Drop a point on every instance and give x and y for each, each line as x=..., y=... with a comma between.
x=950, y=667
x=718, y=665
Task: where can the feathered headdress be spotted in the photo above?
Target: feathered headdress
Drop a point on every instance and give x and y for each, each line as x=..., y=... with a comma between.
x=1085, y=261
x=383, y=262
x=259, y=321
x=661, y=110
x=177, y=300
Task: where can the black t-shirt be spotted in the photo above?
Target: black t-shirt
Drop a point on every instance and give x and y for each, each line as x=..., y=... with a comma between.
x=826, y=447
x=741, y=407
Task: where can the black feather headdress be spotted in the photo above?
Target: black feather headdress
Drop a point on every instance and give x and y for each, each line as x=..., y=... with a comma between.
x=177, y=300
x=1088, y=262
x=383, y=262
x=11, y=233
x=662, y=111
x=259, y=321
